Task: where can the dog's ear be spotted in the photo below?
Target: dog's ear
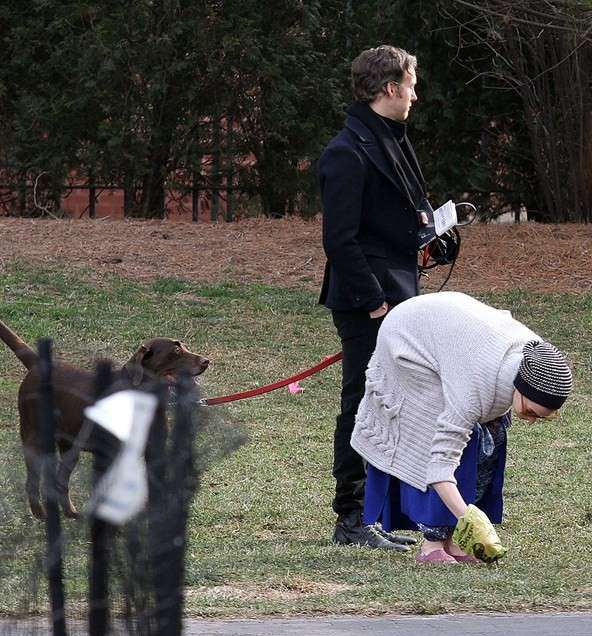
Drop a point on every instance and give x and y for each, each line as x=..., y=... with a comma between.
x=133, y=368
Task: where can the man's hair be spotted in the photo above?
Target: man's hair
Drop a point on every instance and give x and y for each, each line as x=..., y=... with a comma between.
x=374, y=68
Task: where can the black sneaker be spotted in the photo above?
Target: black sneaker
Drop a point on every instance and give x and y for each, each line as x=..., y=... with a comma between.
x=349, y=530
x=401, y=539
x=373, y=539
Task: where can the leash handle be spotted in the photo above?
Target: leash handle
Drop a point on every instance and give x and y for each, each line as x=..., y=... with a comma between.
x=243, y=395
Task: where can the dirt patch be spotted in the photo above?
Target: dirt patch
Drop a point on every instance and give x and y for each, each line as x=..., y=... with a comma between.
x=289, y=252
x=277, y=592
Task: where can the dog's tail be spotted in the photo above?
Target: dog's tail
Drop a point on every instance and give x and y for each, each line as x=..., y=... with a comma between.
x=21, y=349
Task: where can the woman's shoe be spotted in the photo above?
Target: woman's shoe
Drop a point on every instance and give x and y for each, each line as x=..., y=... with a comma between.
x=435, y=556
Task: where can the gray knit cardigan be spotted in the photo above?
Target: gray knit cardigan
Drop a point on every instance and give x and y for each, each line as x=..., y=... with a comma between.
x=442, y=363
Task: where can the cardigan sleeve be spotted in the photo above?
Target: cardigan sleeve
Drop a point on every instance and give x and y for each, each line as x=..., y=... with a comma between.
x=453, y=431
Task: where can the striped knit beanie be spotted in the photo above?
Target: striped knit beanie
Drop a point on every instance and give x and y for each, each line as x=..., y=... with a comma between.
x=544, y=376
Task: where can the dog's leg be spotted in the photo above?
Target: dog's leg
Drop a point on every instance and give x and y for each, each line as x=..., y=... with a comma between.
x=68, y=457
x=33, y=464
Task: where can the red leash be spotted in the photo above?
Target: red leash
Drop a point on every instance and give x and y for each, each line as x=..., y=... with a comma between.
x=276, y=385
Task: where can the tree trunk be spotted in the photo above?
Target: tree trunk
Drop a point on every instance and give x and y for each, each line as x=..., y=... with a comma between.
x=274, y=200
x=153, y=189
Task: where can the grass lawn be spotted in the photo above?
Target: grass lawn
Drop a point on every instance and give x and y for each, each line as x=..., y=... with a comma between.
x=261, y=523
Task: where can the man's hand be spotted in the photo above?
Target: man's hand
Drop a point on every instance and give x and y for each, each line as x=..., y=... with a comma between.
x=381, y=311
x=474, y=534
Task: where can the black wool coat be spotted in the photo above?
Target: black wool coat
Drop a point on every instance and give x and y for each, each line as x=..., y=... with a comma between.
x=369, y=224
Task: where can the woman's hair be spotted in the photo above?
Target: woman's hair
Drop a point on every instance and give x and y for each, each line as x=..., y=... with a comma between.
x=373, y=68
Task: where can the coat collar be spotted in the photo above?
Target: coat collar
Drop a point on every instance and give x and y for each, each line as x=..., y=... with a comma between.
x=373, y=151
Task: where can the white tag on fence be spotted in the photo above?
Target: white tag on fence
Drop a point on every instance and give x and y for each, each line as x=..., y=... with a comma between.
x=117, y=412
x=123, y=490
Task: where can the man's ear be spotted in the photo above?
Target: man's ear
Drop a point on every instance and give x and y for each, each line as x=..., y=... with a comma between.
x=133, y=368
x=391, y=88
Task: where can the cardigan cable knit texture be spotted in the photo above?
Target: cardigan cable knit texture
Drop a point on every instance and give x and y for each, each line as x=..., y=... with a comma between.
x=442, y=362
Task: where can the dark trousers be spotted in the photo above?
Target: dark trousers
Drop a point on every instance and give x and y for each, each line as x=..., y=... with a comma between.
x=357, y=332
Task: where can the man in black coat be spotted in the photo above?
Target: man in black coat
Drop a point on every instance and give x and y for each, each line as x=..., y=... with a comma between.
x=372, y=188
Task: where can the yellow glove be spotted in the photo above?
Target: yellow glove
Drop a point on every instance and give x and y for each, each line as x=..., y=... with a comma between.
x=474, y=534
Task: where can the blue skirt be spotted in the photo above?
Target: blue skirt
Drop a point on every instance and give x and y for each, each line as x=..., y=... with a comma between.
x=399, y=506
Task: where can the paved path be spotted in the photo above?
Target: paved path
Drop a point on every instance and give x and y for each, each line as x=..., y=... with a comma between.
x=544, y=624
x=447, y=625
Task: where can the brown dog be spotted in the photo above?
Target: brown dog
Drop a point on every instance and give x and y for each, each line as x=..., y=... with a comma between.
x=73, y=392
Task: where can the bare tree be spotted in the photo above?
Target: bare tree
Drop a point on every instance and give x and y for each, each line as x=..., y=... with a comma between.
x=543, y=50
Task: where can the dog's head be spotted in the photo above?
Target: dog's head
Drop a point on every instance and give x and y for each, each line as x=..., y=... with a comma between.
x=165, y=358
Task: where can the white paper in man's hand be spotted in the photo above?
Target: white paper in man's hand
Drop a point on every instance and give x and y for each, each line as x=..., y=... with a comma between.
x=445, y=218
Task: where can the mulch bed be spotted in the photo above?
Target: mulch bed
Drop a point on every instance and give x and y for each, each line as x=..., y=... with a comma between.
x=288, y=252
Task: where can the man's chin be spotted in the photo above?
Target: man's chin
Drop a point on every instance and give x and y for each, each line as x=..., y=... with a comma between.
x=402, y=117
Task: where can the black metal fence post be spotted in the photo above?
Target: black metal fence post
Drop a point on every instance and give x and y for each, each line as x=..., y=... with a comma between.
x=156, y=462
x=52, y=525
x=100, y=531
x=229, y=216
x=195, y=195
x=182, y=485
x=92, y=195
